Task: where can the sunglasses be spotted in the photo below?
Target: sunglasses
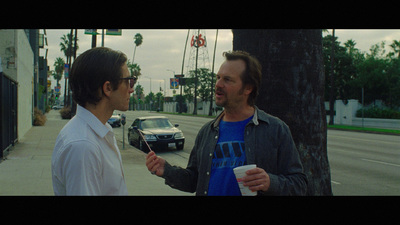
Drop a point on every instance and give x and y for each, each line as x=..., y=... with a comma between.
x=132, y=80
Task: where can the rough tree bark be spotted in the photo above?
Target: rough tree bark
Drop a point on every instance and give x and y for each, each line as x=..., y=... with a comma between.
x=292, y=89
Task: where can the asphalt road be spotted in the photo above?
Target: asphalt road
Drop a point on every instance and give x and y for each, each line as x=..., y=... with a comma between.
x=364, y=163
x=361, y=163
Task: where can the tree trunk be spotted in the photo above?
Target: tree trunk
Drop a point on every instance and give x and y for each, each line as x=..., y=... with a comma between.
x=292, y=89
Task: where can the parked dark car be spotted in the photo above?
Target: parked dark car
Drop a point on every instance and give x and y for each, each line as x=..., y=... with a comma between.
x=158, y=132
x=115, y=120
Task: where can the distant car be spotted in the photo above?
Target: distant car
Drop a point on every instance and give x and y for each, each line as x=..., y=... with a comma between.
x=158, y=132
x=57, y=107
x=115, y=120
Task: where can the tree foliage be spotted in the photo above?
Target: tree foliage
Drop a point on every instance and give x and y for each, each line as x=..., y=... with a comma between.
x=67, y=45
x=58, y=69
x=376, y=71
x=203, y=85
x=134, y=68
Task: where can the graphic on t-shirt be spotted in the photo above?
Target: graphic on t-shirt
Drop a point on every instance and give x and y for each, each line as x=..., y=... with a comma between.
x=228, y=154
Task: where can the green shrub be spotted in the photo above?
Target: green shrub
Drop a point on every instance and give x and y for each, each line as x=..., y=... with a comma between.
x=38, y=118
x=66, y=112
x=375, y=112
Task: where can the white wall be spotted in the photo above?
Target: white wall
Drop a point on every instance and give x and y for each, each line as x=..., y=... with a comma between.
x=25, y=69
x=346, y=115
x=202, y=107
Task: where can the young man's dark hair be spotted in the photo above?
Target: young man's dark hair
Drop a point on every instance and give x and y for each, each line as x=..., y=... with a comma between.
x=91, y=69
x=251, y=76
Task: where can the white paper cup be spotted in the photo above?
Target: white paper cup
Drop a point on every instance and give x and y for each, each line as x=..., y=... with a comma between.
x=240, y=172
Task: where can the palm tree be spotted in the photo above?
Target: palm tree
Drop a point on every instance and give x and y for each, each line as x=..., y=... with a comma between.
x=139, y=91
x=67, y=46
x=134, y=68
x=292, y=88
x=138, y=39
x=59, y=68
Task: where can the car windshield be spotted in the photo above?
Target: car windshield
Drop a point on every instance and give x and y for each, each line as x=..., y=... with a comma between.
x=156, y=123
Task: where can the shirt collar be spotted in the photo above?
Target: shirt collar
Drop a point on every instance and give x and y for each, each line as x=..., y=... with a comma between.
x=258, y=115
x=98, y=127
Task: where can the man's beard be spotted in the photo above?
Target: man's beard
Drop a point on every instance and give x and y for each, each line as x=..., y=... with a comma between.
x=224, y=103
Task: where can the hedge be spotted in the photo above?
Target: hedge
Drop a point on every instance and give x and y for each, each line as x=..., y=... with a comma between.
x=375, y=112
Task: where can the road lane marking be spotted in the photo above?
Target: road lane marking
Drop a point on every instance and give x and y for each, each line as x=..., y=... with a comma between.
x=363, y=139
x=334, y=182
x=385, y=163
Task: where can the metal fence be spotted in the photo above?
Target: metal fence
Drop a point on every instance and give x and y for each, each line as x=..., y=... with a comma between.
x=8, y=114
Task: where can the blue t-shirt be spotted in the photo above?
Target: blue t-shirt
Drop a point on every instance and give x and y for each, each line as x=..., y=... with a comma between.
x=228, y=154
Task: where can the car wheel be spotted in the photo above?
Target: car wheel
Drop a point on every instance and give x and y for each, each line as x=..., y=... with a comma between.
x=129, y=140
x=179, y=147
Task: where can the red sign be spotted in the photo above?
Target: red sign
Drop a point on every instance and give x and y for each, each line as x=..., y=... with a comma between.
x=198, y=41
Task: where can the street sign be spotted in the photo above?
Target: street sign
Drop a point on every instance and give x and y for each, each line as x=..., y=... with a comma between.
x=174, y=83
x=57, y=89
x=186, y=81
x=66, y=70
x=114, y=32
x=91, y=31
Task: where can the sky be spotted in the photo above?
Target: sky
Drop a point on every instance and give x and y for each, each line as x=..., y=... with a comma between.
x=159, y=57
x=161, y=53
x=366, y=38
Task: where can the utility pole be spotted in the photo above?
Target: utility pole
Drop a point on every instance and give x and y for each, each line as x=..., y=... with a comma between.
x=102, y=37
x=94, y=38
x=69, y=58
x=196, y=78
x=183, y=63
x=212, y=76
x=362, y=97
x=73, y=103
x=332, y=90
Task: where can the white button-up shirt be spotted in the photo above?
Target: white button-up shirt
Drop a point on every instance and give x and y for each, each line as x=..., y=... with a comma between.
x=86, y=159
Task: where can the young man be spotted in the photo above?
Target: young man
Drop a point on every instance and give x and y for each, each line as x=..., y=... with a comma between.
x=86, y=159
x=242, y=134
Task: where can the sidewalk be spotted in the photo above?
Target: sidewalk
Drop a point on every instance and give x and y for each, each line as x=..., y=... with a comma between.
x=27, y=169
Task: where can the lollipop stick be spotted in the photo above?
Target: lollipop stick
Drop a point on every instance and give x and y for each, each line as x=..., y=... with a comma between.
x=144, y=139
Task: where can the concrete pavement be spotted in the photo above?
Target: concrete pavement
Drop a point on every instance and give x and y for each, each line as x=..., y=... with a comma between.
x=27, y=169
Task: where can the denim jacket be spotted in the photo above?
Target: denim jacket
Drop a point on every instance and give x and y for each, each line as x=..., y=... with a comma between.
x=268, y=144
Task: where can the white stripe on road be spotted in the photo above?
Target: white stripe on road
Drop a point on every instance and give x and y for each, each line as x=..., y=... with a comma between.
x=363, y=139
x=334, y=182
x=385, y=163
x=374, y=161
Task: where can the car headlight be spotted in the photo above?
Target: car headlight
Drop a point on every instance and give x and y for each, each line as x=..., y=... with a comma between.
x=150, y=137
x=179, y=135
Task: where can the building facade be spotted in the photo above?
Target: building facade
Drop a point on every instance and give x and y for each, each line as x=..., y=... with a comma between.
x=19, y=53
